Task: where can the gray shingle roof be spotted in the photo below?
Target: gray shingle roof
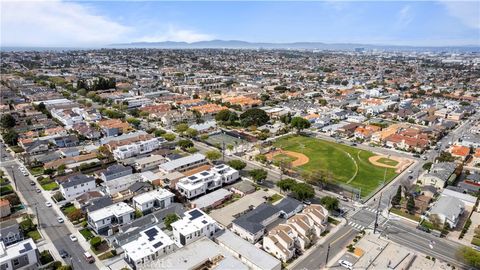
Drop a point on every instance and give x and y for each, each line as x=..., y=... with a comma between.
x=252, y=220
x=77, y=180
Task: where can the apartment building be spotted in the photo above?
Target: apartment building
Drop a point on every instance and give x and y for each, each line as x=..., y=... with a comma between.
x=151, y=245
x=137, y=148
x=103, y=219
x=202, y=182
x=195, y=224
x=183, y=164
x=67, y=117
x=149, y=163
x=21, y=255
x=76, y=186
x=155, y=199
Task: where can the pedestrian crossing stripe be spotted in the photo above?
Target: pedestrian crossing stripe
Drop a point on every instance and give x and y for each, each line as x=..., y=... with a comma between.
x=356, y=226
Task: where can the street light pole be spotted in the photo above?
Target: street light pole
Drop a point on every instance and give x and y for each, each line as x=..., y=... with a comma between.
x=14, y=178
x=376, y=215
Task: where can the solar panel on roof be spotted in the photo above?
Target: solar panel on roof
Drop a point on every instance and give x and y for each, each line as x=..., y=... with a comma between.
x=204, y=222
x=151, y=233
x=193, y=177
x=158, y=244
x=195, y=214
x=26, y=248
x=204, y=173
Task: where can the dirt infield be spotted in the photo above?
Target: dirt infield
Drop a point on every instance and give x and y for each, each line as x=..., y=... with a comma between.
x=403, y=163
x=300, y=159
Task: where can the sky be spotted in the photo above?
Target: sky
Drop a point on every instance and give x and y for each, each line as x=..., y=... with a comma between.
x=58, y=23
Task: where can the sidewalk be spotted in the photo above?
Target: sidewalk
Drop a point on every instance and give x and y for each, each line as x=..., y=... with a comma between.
x=320, y=242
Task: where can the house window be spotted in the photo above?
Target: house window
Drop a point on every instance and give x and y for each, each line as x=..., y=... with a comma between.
x=16, y=262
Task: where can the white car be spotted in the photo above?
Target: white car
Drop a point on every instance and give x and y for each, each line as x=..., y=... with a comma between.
x=346, y=264
x=73, y=238
x=48, y=204
x=410, y=171
x=60, y=219
x=25, y=173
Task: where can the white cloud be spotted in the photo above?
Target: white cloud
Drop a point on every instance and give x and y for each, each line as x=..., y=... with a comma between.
x=56, y=23
x=173, y=33
x=468, y=12
x=404, y=17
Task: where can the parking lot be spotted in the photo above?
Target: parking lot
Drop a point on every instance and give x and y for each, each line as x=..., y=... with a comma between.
x=226, y=215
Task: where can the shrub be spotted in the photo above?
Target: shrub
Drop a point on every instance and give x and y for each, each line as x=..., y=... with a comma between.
x=95, y=241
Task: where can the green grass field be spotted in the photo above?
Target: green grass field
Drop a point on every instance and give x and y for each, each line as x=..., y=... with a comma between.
x=347, y=165
x=388, y=161
x=282, y=158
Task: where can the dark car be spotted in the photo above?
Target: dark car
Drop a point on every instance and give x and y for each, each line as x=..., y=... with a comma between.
x=63, y=253
x=422, y=228
x=32, y=183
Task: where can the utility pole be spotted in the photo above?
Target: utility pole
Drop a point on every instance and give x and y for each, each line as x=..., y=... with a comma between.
x=376, y=215
x=223, y=152
x=328, y=253
x=14, y=179
x=38, y=217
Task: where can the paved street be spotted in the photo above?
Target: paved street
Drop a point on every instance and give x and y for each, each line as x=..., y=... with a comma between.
x=57, y=232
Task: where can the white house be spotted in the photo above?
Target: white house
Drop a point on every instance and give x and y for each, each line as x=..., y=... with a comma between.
x=21, y=255
x=149, y=163
x=137, y=148
x=116, y=185
x=199, y=183
x=151, y=245
x=76, y=186
x=66, y=117
x=448, y=209
x=160, y=198
x=194, y=225
x=103, y=219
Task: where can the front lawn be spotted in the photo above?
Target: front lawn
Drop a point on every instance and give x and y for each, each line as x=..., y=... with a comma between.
x=402, y=213
x=36, y=170
x=86, y=233
x=69, y=209
x=7, y=189
x=35, y=235
x=275, y=197
x=50, y=186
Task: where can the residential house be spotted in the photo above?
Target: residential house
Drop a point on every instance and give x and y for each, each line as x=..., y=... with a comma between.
x=155, y=199
x=289, y=207
x=77, y=185
x=448, y=210
x=194, y=225
x=439, y=174
x=115, y=171
x=202, y=182
x=151, y=244
x=102, y=220
x=149, y=163
x=10, y=232
x=4, y=208
x=21, y=255
x=137, y=148
x=183, y=164
x=251, y=226
x=37, y=147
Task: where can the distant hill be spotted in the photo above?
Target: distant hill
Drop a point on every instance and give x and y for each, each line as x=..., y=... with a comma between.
x=238, y=44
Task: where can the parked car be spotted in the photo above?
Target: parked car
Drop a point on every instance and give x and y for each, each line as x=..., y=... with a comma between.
x=60, y=219
x=344, y=198
x=48, y=204
x=38, y=190
x=307, y=202
x=346, y=264
x=73, y=238
x=422, y=228
x=63, y=253
x=88, y=257
x=32, y=183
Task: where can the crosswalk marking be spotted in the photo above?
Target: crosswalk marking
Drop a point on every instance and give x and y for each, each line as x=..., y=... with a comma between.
x=356, y=226
x=371, y=210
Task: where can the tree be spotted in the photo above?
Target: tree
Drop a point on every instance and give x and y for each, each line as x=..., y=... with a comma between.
x=213, y=155
x=134, y=121
x=258, y=175
x=159, y=132
x=470, y=256
x=13, y=199
x=286, y=184
x=75, y=215
x=10, y=137
x=223, y=115
x=169, y=219
x=41, y=107
x=261, y=158
x=299, y=123
x=82, y=92
x=397, y=198
x=95, y=242
x=7, y=121
x=191, y=132
x=331, y=203
x=303, y=191
x=181, y=128
x=254, y=117
x=411, y=204
x=445, y=157
x=138, y=213
x=169, y=136
x=435, y=220
x=237, y=164
x=184, y=144
x=427, y=166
